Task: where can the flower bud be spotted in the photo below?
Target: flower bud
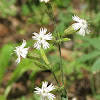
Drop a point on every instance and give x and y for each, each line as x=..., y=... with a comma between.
x=40, y=65
x=62, y=40
x=31, y=55
x=44, y=56
x=68, y=31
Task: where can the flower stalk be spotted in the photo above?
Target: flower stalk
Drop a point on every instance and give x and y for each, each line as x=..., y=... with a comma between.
x=44, y=57
x=41, y=44
x=61, y=67
x=50, y=13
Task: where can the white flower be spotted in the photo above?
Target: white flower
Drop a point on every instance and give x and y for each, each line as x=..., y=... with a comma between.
x=81, y=25
x=21, y=51
x=74, y=98
x=44, y=1
x=41, y=39
x=44, y=92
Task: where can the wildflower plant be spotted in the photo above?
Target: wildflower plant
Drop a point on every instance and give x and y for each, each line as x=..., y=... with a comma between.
x=42, y=42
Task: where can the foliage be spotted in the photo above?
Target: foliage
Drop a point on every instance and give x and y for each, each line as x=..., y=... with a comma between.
x=5, y=58
x=39, y=17
x=62, y=3
x=7, y=8
x=25, y=65
x=89, y=46
x=63, y=22
x=2, y=97
x=25, y=9
x=93, y=53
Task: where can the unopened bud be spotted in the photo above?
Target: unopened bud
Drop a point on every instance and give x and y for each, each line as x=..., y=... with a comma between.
x=31, y=55
x=40, y=65
x=68, y=31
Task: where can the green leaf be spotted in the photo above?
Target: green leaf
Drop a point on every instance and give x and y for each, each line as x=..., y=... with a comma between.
x=97, y=97
x=64, y=98
x=2, y=97
x=4, y=61
x=95, y=42
x=89, y=56
x=62, y=3
x=96, y=65
x=25, y=9
x=25, y=65
x=7, y=8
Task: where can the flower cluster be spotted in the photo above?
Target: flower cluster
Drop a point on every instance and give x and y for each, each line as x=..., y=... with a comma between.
x=81, y=25
x=44, y=92
x=42, y=38
x=41, y=41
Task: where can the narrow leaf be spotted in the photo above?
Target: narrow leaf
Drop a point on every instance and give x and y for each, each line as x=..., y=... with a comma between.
x=96, y=65
x=4, y=59
x=89, y=56
x=25, y=65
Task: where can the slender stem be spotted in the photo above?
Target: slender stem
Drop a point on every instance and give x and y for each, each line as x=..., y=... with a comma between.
x=47, y=62
x=55, y=78
x=61, y=64
x=59, y=52
x=50, y=13
x=54, y=23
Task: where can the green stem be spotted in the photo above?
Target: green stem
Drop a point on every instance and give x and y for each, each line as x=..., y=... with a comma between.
x=61, y=64
x=50, y=13
x=47, y=62
x=64, y=95
x=55, y=78
x=54, y=23
x=62, y=98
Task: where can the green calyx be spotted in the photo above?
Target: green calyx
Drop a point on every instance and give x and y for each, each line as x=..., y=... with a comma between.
x=31, y=55
x=42, y=66
x=68, y=31
x=44, y=57
x=62, y=40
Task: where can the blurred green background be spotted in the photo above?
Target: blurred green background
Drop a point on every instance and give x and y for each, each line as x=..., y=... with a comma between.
x=81, y=56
